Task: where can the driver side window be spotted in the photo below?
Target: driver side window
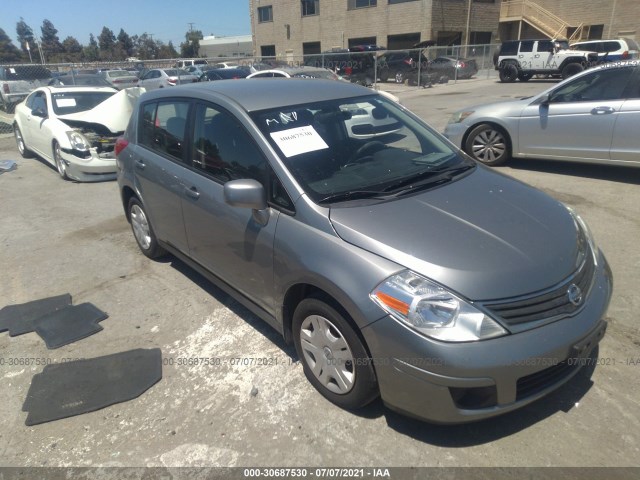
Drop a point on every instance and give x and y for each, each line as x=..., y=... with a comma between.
x=605, y=84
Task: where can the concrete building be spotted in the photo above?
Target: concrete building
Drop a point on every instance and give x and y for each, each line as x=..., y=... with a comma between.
x=236, y=46
x=290, y=28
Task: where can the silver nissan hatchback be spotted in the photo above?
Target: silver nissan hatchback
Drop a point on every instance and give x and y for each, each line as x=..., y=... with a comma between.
x=397, y=266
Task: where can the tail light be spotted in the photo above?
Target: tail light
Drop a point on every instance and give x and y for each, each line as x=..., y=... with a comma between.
x=121, y=144
x=625, y=55
x=172, y=80
x=460, y=65
x=117, y=81
x=408, y=61
x=348, y=71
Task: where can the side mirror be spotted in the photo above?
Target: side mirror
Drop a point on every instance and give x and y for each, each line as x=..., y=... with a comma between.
x=544, y=100
x=245, y=193
x=39, y=112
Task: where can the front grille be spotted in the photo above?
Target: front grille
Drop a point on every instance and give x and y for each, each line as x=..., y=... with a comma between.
x=550, y=304
x=536, y=382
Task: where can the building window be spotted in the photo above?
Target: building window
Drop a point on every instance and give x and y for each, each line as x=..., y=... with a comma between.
x=484, y=1
x=268, y=50
x=265, y=14
x=310, y=7
x=405, y=40
x=479, y=38
x=353, y=4
x=359, y=42
x=391, y=2
x=310, y=48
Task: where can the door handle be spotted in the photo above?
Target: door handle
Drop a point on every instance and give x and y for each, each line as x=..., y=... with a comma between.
x=536, y=56
x=140, y=164
x=602, y=110
x=192, y=192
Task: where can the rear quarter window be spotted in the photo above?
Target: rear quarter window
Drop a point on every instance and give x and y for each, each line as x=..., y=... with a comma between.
x=509, y=48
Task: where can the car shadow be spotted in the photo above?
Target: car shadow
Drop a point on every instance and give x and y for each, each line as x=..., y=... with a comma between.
x=457, y=436
x=612, y=173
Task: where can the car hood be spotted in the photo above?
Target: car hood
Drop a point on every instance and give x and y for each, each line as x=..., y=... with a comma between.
x=113, y=113
x=485, y=236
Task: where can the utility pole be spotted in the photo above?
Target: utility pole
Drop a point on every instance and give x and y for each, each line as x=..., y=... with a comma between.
x=191, y=24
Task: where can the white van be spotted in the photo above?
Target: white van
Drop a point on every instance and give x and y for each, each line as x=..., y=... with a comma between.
x=189, y=62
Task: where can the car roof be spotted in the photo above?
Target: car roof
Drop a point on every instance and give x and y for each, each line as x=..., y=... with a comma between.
x=265, y=93
x=78, y=88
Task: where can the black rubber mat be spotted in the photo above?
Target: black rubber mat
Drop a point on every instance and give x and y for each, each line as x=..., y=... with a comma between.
x=69, y=324
x=19, y=319
x=68, y=389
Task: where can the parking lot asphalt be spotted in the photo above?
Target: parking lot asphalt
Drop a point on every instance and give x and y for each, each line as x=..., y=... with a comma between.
x=237, y=410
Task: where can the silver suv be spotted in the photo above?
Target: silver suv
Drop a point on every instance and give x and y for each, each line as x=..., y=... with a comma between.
x=522, y=59
x=396, y=265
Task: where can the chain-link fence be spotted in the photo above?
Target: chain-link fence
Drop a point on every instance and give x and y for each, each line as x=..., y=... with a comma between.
x=413, y=68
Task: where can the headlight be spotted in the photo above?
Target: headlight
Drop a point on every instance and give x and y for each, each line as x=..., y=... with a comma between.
x=460, y=116
x=78, y=141
x=432, y=310
x=582, y=225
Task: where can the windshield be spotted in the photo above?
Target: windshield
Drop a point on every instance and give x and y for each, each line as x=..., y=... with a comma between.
x=74, y=102
x=365, y=147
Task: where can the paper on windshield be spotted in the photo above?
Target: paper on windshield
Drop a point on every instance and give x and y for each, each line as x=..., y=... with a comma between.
x=65, y=102
x=299, y=140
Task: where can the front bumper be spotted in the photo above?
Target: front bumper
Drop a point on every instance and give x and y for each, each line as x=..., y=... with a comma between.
x=456, y=383
x=455, y=133
x=96, y=168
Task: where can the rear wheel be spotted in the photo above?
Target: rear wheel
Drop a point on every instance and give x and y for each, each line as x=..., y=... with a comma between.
x=508, y=73
x=488, y=144
x=571, y=69
x=22, y=147
x=334, y=358
x=60, y=164
x=142, y=230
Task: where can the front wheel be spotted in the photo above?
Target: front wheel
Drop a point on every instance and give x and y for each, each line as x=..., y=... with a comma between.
x=571, y=69
x=488, y=144
x=60, y=164
x=22, y=147
x=142, y=230
x=333, y=357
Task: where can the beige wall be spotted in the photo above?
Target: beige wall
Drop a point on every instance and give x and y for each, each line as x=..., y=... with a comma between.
x=336, y=24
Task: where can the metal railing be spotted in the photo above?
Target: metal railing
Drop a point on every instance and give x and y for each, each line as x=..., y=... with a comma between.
x=541, y=18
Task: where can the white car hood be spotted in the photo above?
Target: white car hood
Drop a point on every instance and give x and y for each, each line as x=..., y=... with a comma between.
x=113, y=113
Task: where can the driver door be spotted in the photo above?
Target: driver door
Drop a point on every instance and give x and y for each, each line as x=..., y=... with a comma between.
x=578, y=120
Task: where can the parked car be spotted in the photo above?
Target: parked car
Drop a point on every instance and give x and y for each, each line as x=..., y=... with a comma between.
x=296, y=72
x=165, y=77
x=224, y=74
x=120, y=79
x=441, y=70
x=354, y=65
x=81, y=79
x=398, y=267
x=17, y=81
x=226, y=65
x=397, y=65
x=610, y=50
x=74, y=128
x=591, y=117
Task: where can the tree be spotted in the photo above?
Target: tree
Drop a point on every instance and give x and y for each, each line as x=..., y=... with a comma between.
x=72, y=49
x=50, y=42
x=106, y=42
x=8, y=51
x=147, y=48
x=191, y=46
x=90, y=52
x=25, y=37
x=166, y=51
x=126, y=43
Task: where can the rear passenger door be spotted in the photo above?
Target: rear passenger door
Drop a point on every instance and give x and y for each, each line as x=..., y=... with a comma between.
x=228, y=241
x=624, y=145
x=159, y=167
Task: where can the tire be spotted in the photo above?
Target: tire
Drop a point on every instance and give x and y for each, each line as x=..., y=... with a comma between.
x=571, y=69
x=333, y=357
x=488, y=144
x=22, y=147
x=142, y=230
x=525, y=77
x=60, y=165
x=508, y=73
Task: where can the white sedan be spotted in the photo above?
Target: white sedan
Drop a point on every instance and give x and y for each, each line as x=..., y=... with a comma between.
x=75, y=128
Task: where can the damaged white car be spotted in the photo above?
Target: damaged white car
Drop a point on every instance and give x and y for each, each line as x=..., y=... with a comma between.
x=75, y=128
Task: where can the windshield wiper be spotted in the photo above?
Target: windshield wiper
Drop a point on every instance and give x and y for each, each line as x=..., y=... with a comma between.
x=425, y=179
x=351, y=195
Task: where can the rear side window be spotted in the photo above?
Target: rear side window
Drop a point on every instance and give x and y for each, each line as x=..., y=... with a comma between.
x=509, y=48
x=163, y=126
x=26, y=73
x=526, y=46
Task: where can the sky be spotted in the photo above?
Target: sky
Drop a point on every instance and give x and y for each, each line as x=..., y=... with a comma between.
x=164, y=19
